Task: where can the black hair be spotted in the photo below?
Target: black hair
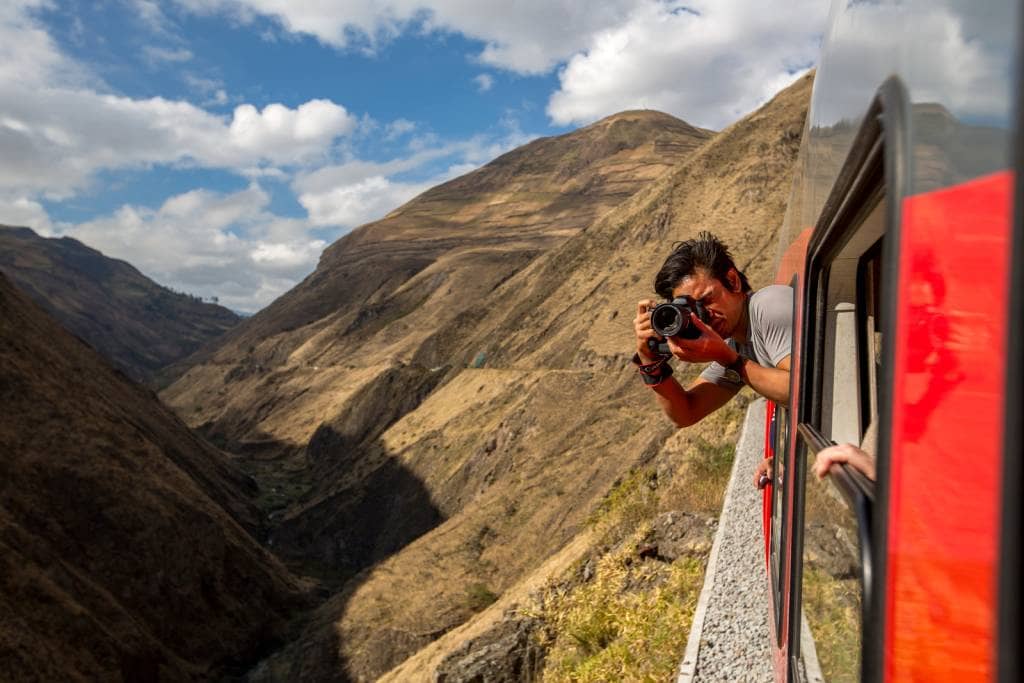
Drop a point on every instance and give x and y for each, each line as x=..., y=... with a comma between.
x=707, y=252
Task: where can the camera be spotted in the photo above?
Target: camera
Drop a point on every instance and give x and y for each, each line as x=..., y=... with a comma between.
x=673, y=319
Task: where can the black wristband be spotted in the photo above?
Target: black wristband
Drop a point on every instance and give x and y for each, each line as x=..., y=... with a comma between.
x=653, y=373
x=651, y=380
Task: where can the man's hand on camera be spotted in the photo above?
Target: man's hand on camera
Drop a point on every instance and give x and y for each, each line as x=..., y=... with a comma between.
x=643, y=329
x=705, y=348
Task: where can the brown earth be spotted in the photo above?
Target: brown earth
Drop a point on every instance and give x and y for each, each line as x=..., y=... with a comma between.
x=127, y=543
x=447, y=400
x=138, y=325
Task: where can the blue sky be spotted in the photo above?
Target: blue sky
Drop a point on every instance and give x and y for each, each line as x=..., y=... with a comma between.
x=220, y=145
x=434, y=85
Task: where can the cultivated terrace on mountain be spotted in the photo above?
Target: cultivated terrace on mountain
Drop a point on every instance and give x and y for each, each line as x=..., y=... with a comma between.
x=140, y=326
x=444, y=417
x=127, y=544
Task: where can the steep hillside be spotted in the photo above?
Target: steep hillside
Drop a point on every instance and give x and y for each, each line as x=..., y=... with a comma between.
x=126, y=543
x=465, y=421
x=539, y=413
x=140, y=326
x=379, y=293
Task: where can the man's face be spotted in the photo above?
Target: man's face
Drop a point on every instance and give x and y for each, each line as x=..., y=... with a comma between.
x=724, y=305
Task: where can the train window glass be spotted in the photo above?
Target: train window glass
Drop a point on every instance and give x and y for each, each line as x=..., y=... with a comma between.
x=832, y=588
x=869, y=343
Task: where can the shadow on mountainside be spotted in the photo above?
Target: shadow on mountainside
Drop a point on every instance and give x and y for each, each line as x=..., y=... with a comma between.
x=126, y=543
x=337, y=539
x=335, y=508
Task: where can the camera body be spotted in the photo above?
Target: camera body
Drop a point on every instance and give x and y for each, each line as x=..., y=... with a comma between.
x=673, y=319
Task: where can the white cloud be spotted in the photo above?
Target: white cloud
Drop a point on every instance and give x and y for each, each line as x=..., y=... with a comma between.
x=356, y=192
x=945, y=63
x=209, y=244
x=257, y=172
x=484, y=82
x=28, y=55
x=398, y=128
x=26, y=213
x=286, y=256
x=211, y=90
x=709, y=68
x=288, y=135
x=202, y=84
x=158, y=55
x=46, y=150
x=529, y=36
x=59, y=125
x=359, y=202
x=355, y=171
x=152, y=16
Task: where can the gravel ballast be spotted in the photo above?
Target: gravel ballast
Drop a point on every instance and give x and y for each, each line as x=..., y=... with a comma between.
x=729, y=640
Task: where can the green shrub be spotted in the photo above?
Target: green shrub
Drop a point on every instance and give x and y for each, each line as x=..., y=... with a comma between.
x=479, y=597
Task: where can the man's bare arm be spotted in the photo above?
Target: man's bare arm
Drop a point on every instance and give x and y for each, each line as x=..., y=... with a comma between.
x=772, y=383
x=689, y=406
x=683, y=406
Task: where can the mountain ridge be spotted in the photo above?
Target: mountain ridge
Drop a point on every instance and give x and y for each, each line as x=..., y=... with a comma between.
x=128, y=543
x=141, y=326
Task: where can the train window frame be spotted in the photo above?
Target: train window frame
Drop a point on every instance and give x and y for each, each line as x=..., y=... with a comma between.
x=876, y=168
x=777, y=529
x=781, y=437
x=835, y=323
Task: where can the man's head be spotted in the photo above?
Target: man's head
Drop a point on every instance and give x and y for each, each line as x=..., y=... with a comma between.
x=703, y=268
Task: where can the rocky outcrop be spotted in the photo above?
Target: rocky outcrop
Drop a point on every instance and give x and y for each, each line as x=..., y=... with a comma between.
x=508, y=653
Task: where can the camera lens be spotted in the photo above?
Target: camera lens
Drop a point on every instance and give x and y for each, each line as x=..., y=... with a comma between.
x=667, y=320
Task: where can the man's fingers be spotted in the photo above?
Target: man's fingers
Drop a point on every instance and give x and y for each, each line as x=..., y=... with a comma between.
x=705, y=329
x=685, y=348
x=821, y=465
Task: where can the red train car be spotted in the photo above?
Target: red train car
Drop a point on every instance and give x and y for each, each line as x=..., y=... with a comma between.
x=902, y=241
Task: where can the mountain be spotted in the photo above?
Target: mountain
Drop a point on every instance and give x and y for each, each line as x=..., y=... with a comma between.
x=379, y=293
x=448, y=399
x=127, y=546
x=140, y=326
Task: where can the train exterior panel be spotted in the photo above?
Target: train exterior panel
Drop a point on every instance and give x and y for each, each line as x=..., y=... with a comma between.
x=898, y=240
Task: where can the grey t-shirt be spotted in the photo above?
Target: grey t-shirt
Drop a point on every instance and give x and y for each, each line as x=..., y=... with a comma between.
x=770, y=337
